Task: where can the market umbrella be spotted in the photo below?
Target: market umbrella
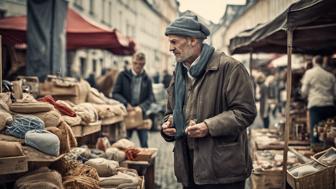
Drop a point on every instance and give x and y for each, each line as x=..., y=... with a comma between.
x=80, y=33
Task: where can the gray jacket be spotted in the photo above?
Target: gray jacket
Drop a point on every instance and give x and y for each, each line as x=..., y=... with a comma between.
x=224, y=100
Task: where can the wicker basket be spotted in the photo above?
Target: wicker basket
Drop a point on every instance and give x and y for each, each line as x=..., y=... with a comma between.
x=317, y=157
x=322, y=179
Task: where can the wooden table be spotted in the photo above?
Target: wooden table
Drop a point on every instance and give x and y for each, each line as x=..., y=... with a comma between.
x=144, y=168
x=113, y=128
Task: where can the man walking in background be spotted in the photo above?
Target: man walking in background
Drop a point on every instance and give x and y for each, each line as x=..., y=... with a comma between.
x=134, y=88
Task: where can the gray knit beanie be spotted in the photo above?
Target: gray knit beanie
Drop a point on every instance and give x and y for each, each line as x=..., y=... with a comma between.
x=188, y=25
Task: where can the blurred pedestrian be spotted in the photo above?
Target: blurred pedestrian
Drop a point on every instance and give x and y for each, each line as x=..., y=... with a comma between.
x=264, y=105
x=156, y=77
x=320, y=88
x=210, y=105
x=166, y=78
x=91, y=79
x=134, y=88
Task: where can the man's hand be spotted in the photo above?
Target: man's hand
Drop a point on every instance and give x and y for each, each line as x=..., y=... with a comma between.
x=129, y=107
x=167, y=127
x=197, y=130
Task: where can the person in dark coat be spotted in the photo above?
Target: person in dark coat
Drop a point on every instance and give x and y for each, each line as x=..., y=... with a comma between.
x=210, y=105
x=263, y=100
x=166, y=79
x=134, y=88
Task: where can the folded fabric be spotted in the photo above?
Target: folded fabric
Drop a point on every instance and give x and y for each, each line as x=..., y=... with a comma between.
x=5, y=118
x=41, y=178
x=103, y=166
x=87, y=112
x=26, y=97
x=303, y=170
x=60, y=107
x=95, y=97
x=22, y=124
x=63, y=142
x=115, y=154
x=30, y=107
x=10, y=149
x=17, y=89
x=96, y=153
x=44, y=141
x=107, y=111
x=123, y=144
x=80, y=182
x=6, y=100
x=72, y=121
x=82, y=88
x=51, y=118
x=120, y=180
x=103, y=143
x=59, y=87
x=68, y=138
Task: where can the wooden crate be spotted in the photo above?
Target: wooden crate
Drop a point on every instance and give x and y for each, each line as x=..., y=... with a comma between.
x=322, y=179
x=146, y=154
x=267, y=179
x=84, y=130
x=91, y=128
x=9, y=165
x=112, y=120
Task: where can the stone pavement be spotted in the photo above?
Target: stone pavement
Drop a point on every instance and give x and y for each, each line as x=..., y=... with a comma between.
x=164, y=165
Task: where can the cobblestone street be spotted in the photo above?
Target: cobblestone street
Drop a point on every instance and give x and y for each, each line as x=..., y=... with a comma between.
x=164, y=165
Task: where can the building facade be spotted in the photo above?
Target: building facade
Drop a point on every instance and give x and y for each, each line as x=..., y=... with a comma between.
x=241, y=17
x=142, y=20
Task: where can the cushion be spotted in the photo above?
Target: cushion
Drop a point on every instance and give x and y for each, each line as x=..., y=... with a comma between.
x=44, y=141
x=30, y=107
x=22, y=124
x=103, y=166
x=10, y=149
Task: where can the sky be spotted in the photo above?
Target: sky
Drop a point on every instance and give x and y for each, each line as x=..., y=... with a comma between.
x=212, y=10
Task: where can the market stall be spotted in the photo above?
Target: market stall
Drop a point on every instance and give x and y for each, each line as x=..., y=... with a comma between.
x=80, y=33
x=300, y=29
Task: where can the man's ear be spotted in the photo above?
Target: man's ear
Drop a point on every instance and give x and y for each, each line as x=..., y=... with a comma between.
x=193, y=41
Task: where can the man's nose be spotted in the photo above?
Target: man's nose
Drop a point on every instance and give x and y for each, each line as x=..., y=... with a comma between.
x=171, y=48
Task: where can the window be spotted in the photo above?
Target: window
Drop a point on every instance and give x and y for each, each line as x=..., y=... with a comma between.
x=79, y=4
x=91, y=8
x=120, y=21
x=103, y=13
x=110, y=12
x=94, y=63
x=2, y=13
x=82, y=62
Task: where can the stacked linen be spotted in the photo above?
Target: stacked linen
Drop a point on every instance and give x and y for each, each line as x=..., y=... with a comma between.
x=51, y=180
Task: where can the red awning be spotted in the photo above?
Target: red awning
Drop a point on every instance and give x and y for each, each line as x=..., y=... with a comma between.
x=81, y=33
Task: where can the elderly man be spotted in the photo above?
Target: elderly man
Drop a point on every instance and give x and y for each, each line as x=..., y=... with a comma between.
x=134, y=88
x=210, y=105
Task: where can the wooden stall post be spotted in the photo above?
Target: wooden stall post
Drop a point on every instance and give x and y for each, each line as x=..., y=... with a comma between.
x=0, y=64
x=250, y=61
x=289, y=91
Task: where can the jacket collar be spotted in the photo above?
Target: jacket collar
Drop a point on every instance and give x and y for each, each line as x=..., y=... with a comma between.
x=214, y=61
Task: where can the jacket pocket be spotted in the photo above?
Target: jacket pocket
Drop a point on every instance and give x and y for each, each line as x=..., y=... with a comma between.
x=228, y=160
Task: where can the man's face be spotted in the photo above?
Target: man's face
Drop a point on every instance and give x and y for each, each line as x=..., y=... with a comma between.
x=138, y=65
x=181, y=47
